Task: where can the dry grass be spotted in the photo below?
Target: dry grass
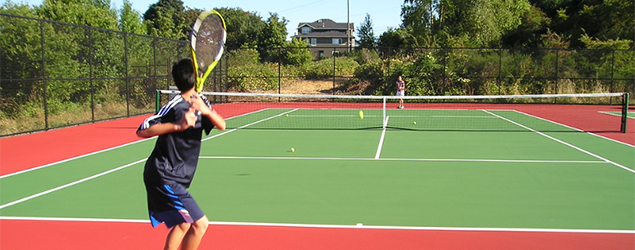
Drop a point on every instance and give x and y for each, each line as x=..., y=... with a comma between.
x=310, y=87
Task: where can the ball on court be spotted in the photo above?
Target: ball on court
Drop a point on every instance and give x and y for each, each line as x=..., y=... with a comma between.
x=415, y=123
x=361, y=114
x=292, y=149
x=286, y=114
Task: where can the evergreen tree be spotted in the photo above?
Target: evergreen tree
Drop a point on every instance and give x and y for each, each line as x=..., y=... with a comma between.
x=365, y=33
x=130, y=19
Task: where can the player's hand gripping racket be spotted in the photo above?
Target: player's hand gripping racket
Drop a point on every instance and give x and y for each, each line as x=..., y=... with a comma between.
x=207, y=43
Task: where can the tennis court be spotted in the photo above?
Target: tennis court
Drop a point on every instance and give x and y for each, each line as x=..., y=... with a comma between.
x=428, y=176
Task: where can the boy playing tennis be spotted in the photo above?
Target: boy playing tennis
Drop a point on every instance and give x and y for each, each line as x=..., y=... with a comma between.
x=170, y=168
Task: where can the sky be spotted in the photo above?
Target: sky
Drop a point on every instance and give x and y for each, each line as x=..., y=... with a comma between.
x=383, y=13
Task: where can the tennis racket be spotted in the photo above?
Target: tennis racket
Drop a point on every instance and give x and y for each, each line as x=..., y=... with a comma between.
x=207, y=42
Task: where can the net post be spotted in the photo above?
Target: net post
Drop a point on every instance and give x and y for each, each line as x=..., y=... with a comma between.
x=157, y=103
x=624, y=112
x=383, y=118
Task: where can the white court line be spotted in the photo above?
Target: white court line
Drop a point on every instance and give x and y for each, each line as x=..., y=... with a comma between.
x=262, y=224
x=69, y=184
x=74, y=158
x=105, y=172
x=105, y=150
x=395, y=159
x=606, y=138
x=250, y=124
x=563, y=142
x=461, y=116
x=618, y=114
x=381, y=139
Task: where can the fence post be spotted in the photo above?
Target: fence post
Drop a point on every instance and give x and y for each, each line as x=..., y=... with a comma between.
x=557, y=69
x=612, y=72
x=125, y=54
x=624, y=112
x=91, y=75
x=333, y=55
x=279, y=73
x=500, y=69
x=45, y=99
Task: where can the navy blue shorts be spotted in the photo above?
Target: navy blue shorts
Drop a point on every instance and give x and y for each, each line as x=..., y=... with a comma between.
x=171, y=204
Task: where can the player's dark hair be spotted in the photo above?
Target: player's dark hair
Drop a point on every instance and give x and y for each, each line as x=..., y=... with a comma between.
x=183, y=74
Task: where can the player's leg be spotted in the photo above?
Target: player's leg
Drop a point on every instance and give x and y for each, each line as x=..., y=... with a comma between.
x=400, y=93
x=195, y=234
x=176, y=235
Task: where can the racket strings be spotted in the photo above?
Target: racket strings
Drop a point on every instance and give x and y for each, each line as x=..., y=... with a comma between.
x=210, y=38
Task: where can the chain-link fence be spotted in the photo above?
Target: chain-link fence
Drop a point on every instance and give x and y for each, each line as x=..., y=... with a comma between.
x=436, y=71
x=55, y=74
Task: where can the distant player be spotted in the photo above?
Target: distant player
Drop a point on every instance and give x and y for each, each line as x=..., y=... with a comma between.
x=170, y=168
x=401, y=90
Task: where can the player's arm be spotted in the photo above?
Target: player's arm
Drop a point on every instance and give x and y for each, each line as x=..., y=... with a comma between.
x=200, y=105
x=188, y=120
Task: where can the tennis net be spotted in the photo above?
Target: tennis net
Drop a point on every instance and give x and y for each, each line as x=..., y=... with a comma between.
x=546, y=113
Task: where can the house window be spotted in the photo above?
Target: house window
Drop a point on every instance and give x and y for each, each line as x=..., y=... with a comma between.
x=313, y=41
x=306, y=30
x=337, y=40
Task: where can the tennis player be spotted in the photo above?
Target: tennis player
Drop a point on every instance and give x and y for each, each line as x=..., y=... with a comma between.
x=170, y=168
x=401, y=90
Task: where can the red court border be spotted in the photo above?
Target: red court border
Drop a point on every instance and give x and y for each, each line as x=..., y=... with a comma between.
x=60, y=144
x=75, y=235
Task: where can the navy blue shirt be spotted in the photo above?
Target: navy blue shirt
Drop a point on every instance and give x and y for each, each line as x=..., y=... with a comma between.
x=175, y=155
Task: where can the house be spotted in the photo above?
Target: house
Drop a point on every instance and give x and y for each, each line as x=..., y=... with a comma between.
x=326, y=37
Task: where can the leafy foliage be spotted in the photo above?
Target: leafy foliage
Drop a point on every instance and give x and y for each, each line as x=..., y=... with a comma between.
x=244, y=28
x=273, y=35
x=296, y=53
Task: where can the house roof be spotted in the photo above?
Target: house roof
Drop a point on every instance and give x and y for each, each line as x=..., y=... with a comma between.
x=318, y=34
x=326, y=24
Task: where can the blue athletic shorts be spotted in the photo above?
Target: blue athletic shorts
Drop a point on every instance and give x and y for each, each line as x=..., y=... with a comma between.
x=172, y=205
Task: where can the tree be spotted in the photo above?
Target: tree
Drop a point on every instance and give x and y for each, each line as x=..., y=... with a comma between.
x=534, y=24
x=392, y=39
x=166, y=18
x=296, y=52
x=243, y=27
x=95, y=14
x=20, y=56
x=608, y=20
x=130, y=19
x=482, y=22
x=273, y=35
x=365, y=33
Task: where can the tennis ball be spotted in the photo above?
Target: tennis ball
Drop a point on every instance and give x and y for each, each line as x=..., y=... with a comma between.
x=415, y=123
x=361, y=114
x=292, y=149
x=286, y=114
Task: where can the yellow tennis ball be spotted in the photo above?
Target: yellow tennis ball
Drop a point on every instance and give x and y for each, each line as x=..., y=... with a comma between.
x=292, y=149
x=361, y=114
x=415, y=123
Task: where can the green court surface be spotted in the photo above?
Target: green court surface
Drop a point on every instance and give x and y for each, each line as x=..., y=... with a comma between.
x=497, y=169
x=629, y=114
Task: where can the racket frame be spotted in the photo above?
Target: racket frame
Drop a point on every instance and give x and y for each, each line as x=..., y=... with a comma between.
x=200, y=78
